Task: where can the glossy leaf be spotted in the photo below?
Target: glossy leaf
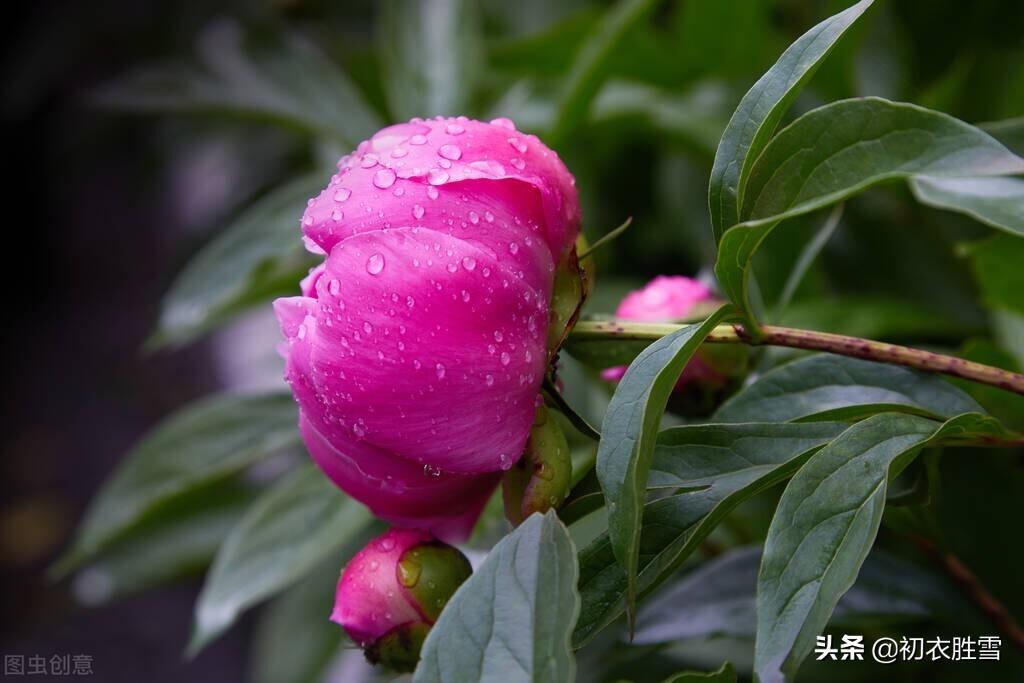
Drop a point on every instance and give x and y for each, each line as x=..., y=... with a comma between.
x=629, y=432
x=510, y=621
x=998, y=202
x=824, y=386
x=761, y=110
x=284, y=80
x=202, y=443
x=839, y=150
x=302, y=520
x=432, y=53
x=721, y=465
x=824, y=527
x=258, y=255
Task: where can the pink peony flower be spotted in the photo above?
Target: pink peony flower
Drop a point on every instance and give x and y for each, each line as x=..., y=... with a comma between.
x=417, y=350
x=392, y=592
x=664, y=299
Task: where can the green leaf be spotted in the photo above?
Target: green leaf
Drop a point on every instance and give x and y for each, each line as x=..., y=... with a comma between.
x=1010, y=132
x=302, y=520
x=630, y=429
x=204, y=442
x=726, y=464
x=179, y=541
x=294, y=640
x=839, y=150
x=511, y=620
x=432, y=54
x=725, y=674
x=824, y=386
x=719, y=598
x=824, y=527
x=761, y=110
x=281, y=79
x=255, y=257
x=591, y=65
x=998, y=202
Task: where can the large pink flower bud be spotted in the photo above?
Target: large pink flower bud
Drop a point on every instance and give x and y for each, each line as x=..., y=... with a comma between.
x=667, y=298
x=393, y=591
x=418, y=348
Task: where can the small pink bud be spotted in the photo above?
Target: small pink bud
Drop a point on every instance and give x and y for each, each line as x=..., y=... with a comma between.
x=393, y=591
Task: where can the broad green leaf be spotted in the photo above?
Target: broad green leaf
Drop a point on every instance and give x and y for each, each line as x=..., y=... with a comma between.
x=727, y=464
x=719, y=598
x=282, y=79
x=294, y=640
x=202, y=443
x=825, y=386
x=725, y=674
x=761, y=110
x=998, y=202
x=825, y=525
x=630, y=430
x=302, y=520
x=510, y=622
x=590, y=67
x=997, y=267
x=178, y=541
x=432, y=53
x=257, y=256
x=839, y=150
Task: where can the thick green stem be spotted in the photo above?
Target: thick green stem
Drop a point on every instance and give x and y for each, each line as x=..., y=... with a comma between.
x=772, y=335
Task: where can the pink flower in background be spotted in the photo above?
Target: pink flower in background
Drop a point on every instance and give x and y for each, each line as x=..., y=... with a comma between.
x=392, y=592
x=417, y=349
x=666, y=298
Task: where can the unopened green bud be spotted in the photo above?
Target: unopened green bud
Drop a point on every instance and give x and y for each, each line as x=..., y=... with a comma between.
x=542, y=478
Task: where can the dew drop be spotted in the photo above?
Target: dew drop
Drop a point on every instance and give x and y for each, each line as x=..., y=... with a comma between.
x=342, y=194
x=469, y=263
x=518, y=163
x=505, y=358
x=417, y=211
x=454, y=129
x=437, y=176
x=504, y=123
x=440, y=370
x=384, y=178
x=432, y=192
x=450, y=152
x=489, y=380
x=375, y=264
x=518, y=145
x=474, y=217
x=513, y=247
x=418, y=139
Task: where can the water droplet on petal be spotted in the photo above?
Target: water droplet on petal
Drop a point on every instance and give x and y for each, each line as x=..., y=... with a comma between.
x=437, y=176
x=454, y=129
x=474, y=217
x=432, y=192
x=489, y=380
x=417, y=211
x=469, y=263
x=375, y=264
x=342, y=194
x=418, y=139
x=384, y=178
x=440, y=370
x=504, y=123
x=505, y=358
x=450, y=152
x=518, y=163
x=518, y=145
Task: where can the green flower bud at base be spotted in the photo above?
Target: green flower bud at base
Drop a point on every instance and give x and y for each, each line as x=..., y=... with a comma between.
x=393, y=591
x=542, y=477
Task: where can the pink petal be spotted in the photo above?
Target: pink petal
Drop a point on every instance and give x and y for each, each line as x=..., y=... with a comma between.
x=414, y=163
x=663, y=299
x=432, y=349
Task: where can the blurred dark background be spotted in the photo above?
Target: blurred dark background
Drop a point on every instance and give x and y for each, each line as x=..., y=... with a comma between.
x=108, y=207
